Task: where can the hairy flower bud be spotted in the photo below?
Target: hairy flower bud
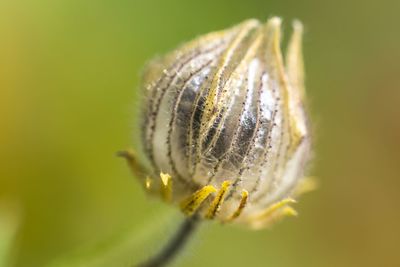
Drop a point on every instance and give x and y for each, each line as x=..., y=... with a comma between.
x=225, y=125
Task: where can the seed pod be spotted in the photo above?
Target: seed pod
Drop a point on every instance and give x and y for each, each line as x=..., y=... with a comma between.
x=225, y=125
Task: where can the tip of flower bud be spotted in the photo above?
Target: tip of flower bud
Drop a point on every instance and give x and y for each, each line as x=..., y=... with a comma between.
x=297, y=26
x=276, y=21
x=273, y=34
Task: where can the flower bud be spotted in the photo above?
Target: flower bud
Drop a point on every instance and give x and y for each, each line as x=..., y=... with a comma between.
x=224, y=123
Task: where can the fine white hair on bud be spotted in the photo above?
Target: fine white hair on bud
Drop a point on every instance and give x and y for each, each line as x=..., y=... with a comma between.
x=224, y=123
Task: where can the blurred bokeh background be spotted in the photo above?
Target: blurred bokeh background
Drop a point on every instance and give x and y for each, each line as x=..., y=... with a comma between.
x=69, y=73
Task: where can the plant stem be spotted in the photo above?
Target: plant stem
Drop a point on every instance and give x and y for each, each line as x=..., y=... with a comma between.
x=175, y=245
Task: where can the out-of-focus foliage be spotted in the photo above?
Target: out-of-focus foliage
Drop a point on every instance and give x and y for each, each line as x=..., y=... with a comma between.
x=9, y=222
x=69, y=74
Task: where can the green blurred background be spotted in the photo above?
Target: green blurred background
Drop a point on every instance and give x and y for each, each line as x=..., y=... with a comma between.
x=69, y=73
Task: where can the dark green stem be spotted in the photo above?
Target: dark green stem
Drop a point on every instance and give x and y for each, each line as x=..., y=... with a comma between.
x=174, y=246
